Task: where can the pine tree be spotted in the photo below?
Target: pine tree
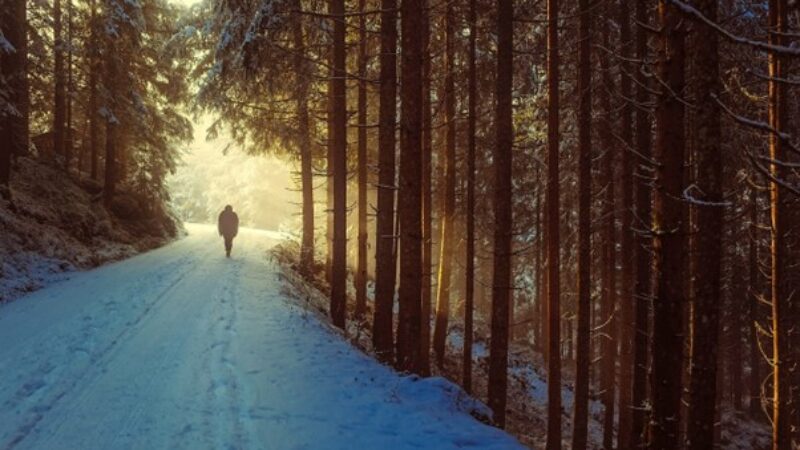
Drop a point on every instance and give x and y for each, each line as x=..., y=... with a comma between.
x=409, y=206
x=669, y=239
x=501, y=280
x=385, y=266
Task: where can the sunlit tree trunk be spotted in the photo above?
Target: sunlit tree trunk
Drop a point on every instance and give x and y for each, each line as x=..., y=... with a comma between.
x=669, y=239
x=361, y=269
x=447, y=219
x=580, y=416
x=385, y=268
x=501, y=281
x=339, y=156
x=59, y=97
x=410, y=198
x=784, y=291
x=553, y=234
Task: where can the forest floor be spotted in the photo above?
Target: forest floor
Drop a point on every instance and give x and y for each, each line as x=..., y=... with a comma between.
x=182, y=348
x=527, y=380
x=57, y=223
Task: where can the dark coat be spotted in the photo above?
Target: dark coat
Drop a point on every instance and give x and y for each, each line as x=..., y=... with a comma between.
x=228, y=223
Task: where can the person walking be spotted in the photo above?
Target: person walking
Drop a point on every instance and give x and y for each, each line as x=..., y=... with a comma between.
x=228, y=227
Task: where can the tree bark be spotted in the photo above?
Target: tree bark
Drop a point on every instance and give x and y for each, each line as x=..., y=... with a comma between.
x=553, y=234
x=410, y=199
x=669, y=238
x=427, y=196
x=447, y=219
x=59, y=95
x=304, y=141
x=782, y=288
x=69, y=138
x=625, y=330
x=583, y=355
x=501, y=281
x=708, y=244
x=642, y=289
x=469, y=299
x=339, y=156
x=755, y=294
x=385, y=262
x=361, y=270
x=609, y=341
x=94, y=60
x=14, y=70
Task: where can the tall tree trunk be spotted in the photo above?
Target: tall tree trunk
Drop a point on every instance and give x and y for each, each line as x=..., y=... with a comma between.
x=427, y=196
x=110, y=171
x=361, y=270
x=410, y=199
x=583, y=354
x=781, y=288
x=469, y=298
x=626, y=303
x=501, y=282
x=69, y=139
x=539, y=271
x=669, y=238
x=446, y=249
x=304, y=141
x=339, y=92
x=385, y=262
x=609, y=252
x=14, y=70
x=553, y=234
x=93, y=56
x=707, y=298
x=755, y=294
x=59, y=98
x=642, y=289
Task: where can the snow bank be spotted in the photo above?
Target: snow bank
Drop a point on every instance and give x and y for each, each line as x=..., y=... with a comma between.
x=57, y=224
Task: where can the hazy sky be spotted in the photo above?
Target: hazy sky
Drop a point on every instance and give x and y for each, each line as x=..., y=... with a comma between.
x=260, y=188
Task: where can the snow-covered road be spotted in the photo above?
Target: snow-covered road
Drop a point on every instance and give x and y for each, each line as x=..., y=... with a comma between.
x=182, y=348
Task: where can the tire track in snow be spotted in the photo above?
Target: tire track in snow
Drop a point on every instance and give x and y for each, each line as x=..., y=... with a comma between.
x=224, y=417
x=43, y=401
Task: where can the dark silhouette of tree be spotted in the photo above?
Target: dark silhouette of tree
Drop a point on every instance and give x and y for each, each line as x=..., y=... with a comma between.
x=409, y=206
x=385, y=262
x=669, y=233
x=553, y=234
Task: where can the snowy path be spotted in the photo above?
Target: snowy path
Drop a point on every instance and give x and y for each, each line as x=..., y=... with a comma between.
x=181, y=348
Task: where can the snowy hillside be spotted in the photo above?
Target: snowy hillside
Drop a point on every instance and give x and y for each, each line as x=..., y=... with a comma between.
x=183, y=348
x=57, y=223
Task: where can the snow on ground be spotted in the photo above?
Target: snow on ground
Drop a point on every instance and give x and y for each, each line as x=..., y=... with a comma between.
x=183, y=348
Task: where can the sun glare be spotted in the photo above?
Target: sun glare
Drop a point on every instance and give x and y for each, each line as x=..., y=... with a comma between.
x=260, y=188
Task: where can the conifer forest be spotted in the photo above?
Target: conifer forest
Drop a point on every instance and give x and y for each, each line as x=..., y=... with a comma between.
x=585, y=214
